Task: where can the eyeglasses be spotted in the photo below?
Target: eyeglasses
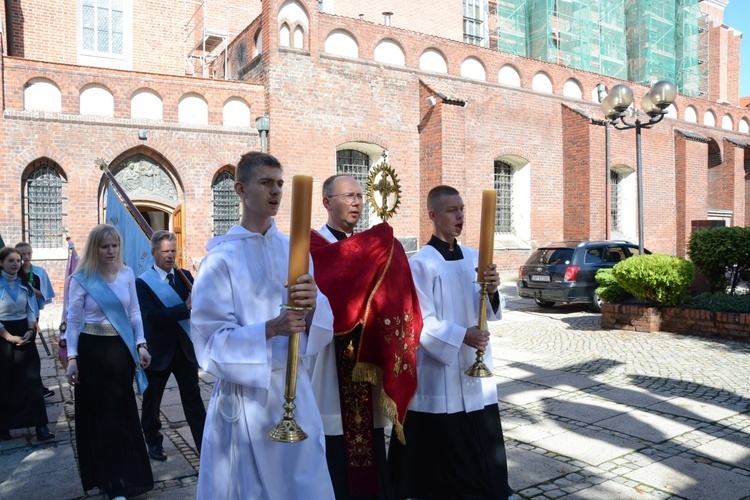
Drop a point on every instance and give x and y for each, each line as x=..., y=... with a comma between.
x=349, y=197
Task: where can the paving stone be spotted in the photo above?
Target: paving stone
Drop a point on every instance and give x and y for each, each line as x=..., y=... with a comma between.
x=735, y=450
x=691, y=479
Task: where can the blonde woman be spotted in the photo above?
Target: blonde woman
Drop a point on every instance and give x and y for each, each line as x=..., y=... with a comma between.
x=105, y=345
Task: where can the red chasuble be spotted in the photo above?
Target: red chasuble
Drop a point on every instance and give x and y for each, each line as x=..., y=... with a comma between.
x=368, y=282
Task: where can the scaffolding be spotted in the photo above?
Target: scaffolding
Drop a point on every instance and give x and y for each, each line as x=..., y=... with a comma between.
x=691, y=49
x=512, y=27
x=650, y=29
x=642, y=41
x=609, y=48
x=208, y=31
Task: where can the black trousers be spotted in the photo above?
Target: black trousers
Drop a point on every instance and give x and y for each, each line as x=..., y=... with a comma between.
x=186, y=374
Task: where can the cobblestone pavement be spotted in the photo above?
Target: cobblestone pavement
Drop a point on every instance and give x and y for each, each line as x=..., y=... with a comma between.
x=603, y=414
x=587, y=414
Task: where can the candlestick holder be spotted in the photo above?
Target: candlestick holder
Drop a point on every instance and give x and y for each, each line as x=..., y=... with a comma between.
x=288, y=430
x=479, y=369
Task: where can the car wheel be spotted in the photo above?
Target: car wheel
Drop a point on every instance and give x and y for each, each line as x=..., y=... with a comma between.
x=544, y=303
x=596, y=303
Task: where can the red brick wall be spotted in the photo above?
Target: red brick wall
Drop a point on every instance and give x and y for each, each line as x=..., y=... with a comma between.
x=576, y=181
x=691, y=194
x=47, y=31
x=414, y=15
x=734, y=326
x=734, y=159
x=317, y=102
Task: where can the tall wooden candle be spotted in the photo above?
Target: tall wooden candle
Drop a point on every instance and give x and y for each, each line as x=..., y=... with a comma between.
x=299, y=234
x=487, y=231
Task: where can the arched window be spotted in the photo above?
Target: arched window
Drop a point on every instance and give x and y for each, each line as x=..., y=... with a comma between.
x=43, y=206
x=504, y=188
x=226, y=203
x=357, y=164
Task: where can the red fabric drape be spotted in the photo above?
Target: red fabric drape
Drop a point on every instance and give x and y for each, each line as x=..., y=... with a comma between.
x=368, y=282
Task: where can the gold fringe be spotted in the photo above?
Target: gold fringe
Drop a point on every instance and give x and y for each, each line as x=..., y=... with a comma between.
x=366, y=372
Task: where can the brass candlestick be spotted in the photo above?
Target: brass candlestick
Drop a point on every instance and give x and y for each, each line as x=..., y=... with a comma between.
x=288, y=430
x=479, y=369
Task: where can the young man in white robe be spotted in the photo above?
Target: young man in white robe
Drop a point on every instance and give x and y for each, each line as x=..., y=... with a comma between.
x=241, y=334
x=454, y=440
x=343, y=199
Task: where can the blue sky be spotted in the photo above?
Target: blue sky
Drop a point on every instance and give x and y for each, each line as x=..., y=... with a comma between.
x=737, y=15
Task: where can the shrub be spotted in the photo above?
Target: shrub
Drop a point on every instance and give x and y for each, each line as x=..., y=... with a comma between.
x=656, y=278
x=610, y=290
x=720, y=302
x=718, y=250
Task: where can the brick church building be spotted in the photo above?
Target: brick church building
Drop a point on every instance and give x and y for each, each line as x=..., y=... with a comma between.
x=170, y=93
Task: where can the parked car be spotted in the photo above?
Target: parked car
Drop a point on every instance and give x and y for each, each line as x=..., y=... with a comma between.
x=564, y=271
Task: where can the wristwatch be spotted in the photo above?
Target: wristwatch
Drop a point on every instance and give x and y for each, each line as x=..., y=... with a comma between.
x=143, y=344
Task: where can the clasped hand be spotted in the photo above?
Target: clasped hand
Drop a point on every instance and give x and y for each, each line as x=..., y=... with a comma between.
x=304, y=293
x=476, y=338
x=492, y=277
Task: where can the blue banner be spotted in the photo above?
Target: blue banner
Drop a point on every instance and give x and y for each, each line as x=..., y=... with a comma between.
x=136, y=248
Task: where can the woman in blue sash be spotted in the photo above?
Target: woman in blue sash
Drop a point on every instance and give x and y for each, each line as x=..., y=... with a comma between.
x=21, y=397
x=106, y=348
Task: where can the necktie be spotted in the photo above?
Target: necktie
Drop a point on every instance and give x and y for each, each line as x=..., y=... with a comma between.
x=170, y=279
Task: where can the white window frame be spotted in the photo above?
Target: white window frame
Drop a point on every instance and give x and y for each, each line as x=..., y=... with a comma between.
x=107, y=59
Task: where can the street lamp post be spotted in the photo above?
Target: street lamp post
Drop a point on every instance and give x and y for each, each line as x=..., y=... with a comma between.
x=654, y=104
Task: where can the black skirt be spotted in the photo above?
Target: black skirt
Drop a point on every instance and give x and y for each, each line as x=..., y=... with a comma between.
x=21, y=397
x=111, y=449
x=450, y=456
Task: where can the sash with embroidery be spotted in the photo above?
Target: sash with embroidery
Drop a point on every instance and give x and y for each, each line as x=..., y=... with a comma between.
x=113, y=309
x=168, y=295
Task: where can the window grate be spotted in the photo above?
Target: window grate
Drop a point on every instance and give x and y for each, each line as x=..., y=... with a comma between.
x=357, y=164
x=44, y=208
x=226, y=203
x=504, y=188
x=615, y=208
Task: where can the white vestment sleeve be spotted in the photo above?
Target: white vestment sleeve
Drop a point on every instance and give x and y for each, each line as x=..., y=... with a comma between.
x=321, y=328
x=441, y=339
x=238, y=354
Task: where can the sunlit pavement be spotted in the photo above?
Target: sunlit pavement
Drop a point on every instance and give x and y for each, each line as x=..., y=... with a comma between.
x=587, y=413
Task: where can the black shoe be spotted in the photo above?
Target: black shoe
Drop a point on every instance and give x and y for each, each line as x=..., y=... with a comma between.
x=43, y=433
x=48, y=393
x=5, y=435
x=156, y=452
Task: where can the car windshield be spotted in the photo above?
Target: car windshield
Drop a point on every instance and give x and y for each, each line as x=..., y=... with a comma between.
x=551, y=256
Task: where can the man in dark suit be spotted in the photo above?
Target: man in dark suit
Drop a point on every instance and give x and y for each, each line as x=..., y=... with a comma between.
x=165, y=307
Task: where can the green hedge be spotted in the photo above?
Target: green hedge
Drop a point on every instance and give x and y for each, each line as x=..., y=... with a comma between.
x=720, y=302
x=657, y=278
x=610, y=290
x=716, y=250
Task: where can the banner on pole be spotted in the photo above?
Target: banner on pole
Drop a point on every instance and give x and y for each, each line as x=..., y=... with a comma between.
x=136, y=248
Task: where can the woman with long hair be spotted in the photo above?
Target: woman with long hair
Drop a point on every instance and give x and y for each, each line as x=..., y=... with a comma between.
x=105, y=345
x=21, y=396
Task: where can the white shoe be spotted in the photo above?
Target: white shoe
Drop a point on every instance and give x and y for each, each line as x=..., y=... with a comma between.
x=119, y=498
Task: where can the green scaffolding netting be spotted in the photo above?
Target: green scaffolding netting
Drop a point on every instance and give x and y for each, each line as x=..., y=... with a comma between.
x=636, y=40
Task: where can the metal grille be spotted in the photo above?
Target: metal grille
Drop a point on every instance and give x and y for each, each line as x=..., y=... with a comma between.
x=357, y=164
x=615, y=208
x=473, y=22
x=504, y=188
x=226, y=203
x=44, y=208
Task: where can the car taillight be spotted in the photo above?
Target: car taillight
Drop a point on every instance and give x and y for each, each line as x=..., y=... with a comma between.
x=571, y=273
x=520, y=272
